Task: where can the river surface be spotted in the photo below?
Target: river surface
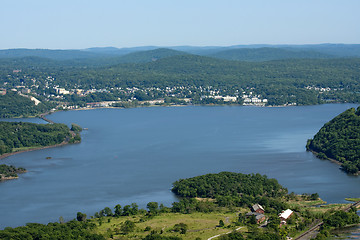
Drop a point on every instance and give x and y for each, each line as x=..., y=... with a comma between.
x=134, y=155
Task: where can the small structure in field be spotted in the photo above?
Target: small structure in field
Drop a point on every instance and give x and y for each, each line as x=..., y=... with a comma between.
x=258, y=209
x=285, y=215
x=258, y=216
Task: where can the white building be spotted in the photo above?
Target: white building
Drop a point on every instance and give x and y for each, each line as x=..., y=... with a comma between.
x=284, y=215
x=62, y=91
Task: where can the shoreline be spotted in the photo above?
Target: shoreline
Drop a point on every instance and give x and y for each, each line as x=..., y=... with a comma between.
x=11, y=178
x=43, y=115
x=5, y=155
x=332, y=160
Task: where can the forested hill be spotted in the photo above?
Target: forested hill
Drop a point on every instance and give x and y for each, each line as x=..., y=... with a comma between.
x=267, y=54
x=165, y=74
x=47, y=53
x=14, y=105
x=17, y=135
x=149, y=56
x=40, y=59
x=339, y=139
x=228, y=184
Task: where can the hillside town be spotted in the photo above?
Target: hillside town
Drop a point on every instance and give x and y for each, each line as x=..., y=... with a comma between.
x=76, y=97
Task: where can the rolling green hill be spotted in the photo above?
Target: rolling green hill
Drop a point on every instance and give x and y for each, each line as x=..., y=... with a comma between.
x=149, y=56
x=14, y=105
x=281, y=82
x=47, y=53
x=266, y=54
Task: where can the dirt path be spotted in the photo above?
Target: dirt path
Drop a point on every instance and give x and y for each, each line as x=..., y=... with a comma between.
x=224, y=233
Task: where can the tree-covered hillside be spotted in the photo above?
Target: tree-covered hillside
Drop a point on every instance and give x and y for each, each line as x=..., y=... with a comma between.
x=47, y=53
x=19, y=135
x=339, y=139
x=228, y=184
x=168, y=74
x=56, y=231
x=266, y=54
x=14, y=105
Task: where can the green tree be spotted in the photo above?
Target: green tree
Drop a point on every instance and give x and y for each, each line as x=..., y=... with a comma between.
x=118, y=210
x=127, y=226
x=81, y=217
x=153, y=207
x=180, y=227
x=221, y=223
x=107, y=212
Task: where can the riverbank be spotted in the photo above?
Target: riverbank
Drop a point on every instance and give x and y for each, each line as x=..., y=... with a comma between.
x=5, y=155
x=331, y=160
x=29, y=149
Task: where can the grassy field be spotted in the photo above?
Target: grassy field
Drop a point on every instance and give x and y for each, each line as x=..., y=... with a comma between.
x=200, y=225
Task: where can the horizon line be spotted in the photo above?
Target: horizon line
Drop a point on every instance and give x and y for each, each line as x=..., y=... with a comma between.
x=176, y=46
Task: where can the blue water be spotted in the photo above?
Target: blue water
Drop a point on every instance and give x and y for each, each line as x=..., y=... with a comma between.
x=134, y=155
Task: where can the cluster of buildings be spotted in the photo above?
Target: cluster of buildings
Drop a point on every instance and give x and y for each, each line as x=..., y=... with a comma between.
x=322, y=89
x=155, y=95
x=253, y=100
x=80, y=92
x=222, y=98
x=259, y=212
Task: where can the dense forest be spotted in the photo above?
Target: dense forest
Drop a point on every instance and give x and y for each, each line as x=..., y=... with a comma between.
x=56, y=231
x=15, y=105
x=339, y=139
x=14, y=135
x=228, y=184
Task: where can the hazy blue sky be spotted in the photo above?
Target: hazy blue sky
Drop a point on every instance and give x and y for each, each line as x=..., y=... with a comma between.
x=74, y=24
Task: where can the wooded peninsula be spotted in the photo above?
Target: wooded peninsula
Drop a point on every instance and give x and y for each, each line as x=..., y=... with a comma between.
x=16, y=137
x=339, y=139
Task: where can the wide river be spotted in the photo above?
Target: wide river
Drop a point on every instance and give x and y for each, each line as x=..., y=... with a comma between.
x=134, y=155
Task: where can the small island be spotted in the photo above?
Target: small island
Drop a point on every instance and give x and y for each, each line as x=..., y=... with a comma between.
x=339, y=141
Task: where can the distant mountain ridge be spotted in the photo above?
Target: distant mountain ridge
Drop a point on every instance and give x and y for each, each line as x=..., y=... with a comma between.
x=149, y=56
x=259, y=52
x=47, y=53
x=267, y=54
